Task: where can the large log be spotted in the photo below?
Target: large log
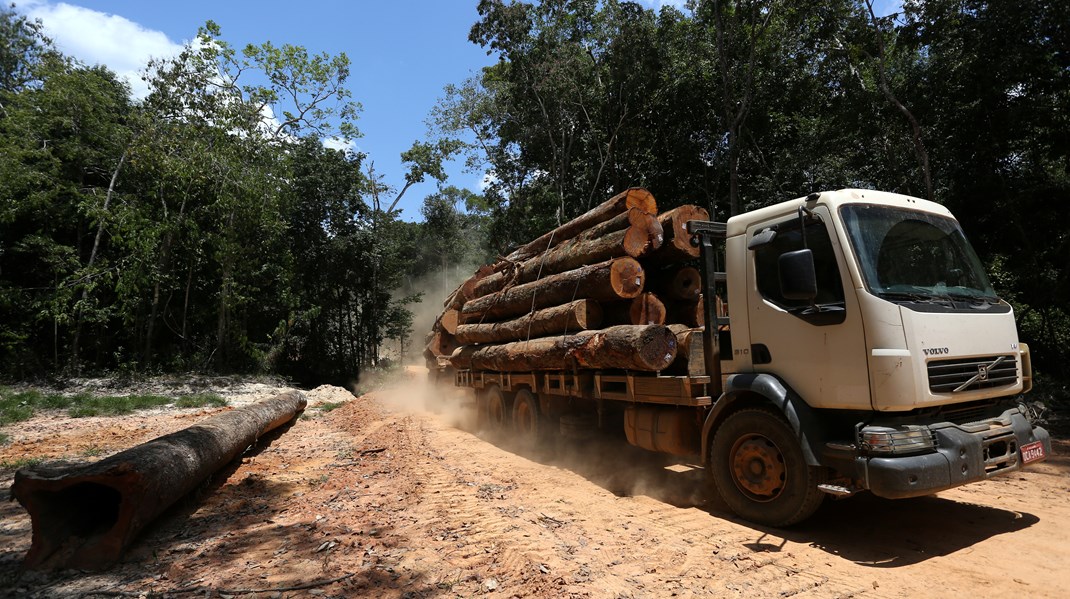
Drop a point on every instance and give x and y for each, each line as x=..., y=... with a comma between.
x=441, y=343
x=635, y=197
x=627, y=347
x=678, y=246
x=571, y=317
x=646, y=308
x=633, y=233
x=449, y=320
x=679, y=282
x=621, y=278
x=84, y=516
x=692, y=314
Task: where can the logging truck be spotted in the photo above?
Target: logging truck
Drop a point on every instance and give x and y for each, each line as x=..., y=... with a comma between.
x=841, y=342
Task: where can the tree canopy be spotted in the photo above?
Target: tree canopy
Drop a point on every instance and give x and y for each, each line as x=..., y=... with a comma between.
x=207, y=226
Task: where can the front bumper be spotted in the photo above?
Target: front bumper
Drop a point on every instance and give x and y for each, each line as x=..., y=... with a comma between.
x=964, y=453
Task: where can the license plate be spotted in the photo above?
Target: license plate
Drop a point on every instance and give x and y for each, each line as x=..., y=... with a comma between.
x=1033, y=452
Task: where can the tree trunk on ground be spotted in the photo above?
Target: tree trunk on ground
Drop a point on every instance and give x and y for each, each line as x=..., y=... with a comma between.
x=677, y=246
x=622, y=278
x=633, y=233
x=572, y=317
x=627, y=347
x=85, y=516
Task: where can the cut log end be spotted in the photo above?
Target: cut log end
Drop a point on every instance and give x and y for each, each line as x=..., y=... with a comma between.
x=637, y=197
x=627, y=278
x=647, y=309
x=449, y=321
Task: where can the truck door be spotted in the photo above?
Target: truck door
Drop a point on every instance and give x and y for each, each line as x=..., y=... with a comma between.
x=818, y=349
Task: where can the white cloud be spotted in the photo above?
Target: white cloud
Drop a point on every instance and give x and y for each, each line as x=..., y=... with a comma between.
x=657, y=4
x=95, y=37
x=337, y=143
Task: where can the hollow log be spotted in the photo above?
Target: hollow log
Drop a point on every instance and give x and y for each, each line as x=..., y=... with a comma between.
x=636, y=197
x=678, y=283
x=621, y=278
x=646, y=308
x=84, y=516
x=571, y=317
x=627, y=347
x=640, y=234
x=677, y=245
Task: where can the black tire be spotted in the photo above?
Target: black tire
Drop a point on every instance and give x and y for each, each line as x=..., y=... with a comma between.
x=759, y=469
x=526, y=417
x=497, y=414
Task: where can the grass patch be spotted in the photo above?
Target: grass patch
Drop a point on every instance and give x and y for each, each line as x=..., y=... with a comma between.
x=4, y=438
x=327, y=406
x=16, y=406
x=199, y=400
x=19, y=463
x=114, y=405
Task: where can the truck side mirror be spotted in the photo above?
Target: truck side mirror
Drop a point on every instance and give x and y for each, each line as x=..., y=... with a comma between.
x=798, y=279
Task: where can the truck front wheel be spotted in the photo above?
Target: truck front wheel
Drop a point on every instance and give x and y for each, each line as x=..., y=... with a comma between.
x=758, y=467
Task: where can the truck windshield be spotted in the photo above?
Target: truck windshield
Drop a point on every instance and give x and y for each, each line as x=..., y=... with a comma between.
x=911, y=255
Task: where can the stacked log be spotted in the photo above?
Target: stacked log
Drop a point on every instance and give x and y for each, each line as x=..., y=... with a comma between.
x=596, y=292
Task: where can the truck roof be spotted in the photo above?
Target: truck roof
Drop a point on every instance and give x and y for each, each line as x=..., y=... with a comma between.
x=737, y=225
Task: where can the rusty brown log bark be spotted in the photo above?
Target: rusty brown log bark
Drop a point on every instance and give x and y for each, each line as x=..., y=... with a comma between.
x=633, y=233
x=636, y=197
x=84, y=516
x=622, y=278
x=626, y=347
x=677, y=246
x=575, y=316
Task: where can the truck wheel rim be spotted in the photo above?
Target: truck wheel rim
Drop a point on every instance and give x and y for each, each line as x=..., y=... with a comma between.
x=758, y=467
x=524, y=418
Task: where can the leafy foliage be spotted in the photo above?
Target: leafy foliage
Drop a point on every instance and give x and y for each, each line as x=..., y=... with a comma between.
x=204, y=227
x=738, y=104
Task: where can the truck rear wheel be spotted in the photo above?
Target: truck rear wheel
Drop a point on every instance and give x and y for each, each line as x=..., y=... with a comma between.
x=526, y=417
x=497, y=409
x=760, y=471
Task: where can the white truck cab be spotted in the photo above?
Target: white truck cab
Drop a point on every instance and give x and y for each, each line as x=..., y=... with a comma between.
x=867, y=319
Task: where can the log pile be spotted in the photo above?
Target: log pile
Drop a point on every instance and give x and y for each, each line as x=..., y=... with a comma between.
x=613, y=289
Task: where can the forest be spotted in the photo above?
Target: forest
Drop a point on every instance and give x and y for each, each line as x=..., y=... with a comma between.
x=207, y=227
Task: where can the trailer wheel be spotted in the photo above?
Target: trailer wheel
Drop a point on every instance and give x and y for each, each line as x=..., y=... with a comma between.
x=759, y=469
x=497, y=410
x=526, y=417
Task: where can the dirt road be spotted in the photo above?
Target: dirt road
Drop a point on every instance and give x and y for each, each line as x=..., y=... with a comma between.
x=378, y=498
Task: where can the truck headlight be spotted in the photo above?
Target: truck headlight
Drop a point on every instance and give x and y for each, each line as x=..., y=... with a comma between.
x=885, y=440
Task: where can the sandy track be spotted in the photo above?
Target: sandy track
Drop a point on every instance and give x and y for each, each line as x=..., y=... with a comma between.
x=402, y=503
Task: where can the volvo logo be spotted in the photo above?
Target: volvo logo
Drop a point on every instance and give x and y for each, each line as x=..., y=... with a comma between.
x=936, y=351
x=982, y=374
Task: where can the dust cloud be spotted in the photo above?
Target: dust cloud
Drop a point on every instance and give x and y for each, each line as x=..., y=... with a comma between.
x=603, y=457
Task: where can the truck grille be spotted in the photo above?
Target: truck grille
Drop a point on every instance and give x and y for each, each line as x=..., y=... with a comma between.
x=969, y=374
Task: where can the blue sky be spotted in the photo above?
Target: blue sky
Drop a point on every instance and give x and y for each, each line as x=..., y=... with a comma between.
x=403, y=53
